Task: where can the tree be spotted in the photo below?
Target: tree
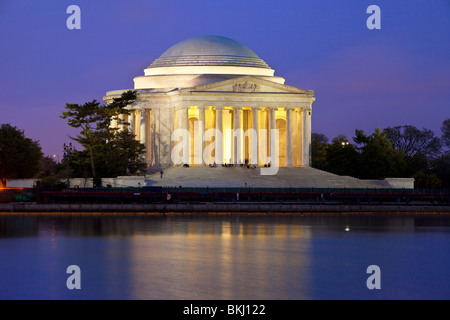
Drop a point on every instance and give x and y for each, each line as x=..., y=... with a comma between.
x=413, y=142
x=319, y=145
x=441, y=166
x=122, y=155
x=426, y=180
x=80, y=164
x=378, y=158
x=19, y=156
x=110, y=150
x=88, y=118
x=342, y=157
x=419, y=146
x=47, y=165
x=52, y=174
x=445, y=128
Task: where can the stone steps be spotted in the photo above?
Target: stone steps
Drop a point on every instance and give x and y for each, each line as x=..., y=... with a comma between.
x=243, y=177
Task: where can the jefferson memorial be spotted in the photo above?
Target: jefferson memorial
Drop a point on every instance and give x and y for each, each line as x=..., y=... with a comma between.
x=211, y=100
x=227, y=99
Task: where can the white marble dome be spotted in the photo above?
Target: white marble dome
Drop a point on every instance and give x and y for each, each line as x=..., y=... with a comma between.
x=201, y=60
x=209, y=51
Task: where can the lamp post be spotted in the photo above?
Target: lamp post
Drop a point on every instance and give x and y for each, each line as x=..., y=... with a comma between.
x=68, y=153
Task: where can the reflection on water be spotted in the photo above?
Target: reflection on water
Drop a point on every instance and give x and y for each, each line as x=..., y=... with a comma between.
x=224, y=257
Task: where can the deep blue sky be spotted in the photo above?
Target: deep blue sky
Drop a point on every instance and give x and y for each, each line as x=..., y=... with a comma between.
x=363, y=78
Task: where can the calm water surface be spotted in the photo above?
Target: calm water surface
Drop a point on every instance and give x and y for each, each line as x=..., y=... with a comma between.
x=224, y=257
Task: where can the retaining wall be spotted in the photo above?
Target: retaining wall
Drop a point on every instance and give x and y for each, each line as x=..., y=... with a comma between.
x=244, y=208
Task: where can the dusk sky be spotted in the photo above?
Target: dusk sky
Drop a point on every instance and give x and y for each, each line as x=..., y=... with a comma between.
x=363, y=79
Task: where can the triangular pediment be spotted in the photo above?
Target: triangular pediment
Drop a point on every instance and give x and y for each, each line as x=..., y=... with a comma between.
x=247, y=84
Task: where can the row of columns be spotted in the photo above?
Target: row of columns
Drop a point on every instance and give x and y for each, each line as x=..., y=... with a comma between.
x=183, y=122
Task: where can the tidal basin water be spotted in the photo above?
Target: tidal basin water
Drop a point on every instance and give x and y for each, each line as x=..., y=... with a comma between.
x=225, y=257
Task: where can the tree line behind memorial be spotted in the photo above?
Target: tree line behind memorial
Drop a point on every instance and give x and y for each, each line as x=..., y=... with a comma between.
x=402, y=151
x=394, y=152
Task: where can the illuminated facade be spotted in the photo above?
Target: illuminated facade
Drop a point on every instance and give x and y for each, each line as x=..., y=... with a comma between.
x=227, y=99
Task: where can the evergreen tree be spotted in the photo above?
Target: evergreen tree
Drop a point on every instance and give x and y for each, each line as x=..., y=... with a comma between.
x=378, y=159
x=319, y=145
x=342, y=157
x=122, y=155
x=111, y=152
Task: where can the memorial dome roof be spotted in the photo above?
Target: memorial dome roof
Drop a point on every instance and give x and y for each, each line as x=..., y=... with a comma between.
x=209, y=50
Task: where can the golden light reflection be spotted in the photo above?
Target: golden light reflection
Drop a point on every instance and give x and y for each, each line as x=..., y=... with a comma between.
x=226, y=231
x=219, y=260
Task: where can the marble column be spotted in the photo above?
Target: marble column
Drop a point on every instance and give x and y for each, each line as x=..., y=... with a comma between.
x=237, y=136
x=113, y=123
x=143, y=126
x=288, y=137
x=219, y=135
x=185, y=118
x=143, y=130
x=273, y=126
x=132, y=122
x=306, y=137
x=186, y=140
x=178, y=117
x=201, y=142
x=151, y=136
x=298, y=137
x=122, y=120
x=255, y=143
